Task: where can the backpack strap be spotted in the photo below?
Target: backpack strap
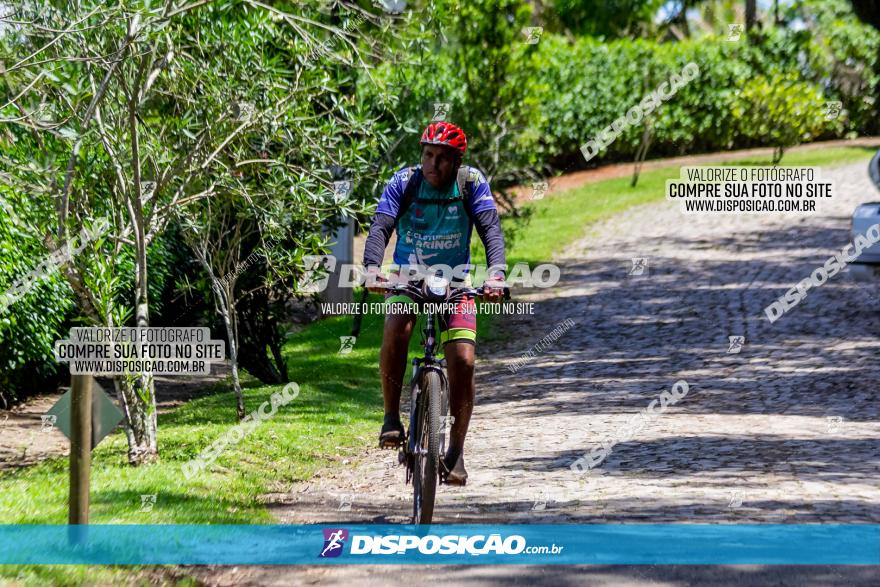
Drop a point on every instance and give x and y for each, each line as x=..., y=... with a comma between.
x=412, y=179
x=467, y=176
x=464, y=173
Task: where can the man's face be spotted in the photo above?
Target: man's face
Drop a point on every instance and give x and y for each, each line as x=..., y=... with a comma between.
x=439, y=164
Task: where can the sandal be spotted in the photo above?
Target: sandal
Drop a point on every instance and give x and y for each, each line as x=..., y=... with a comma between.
x=392, y=434
x=456, y=475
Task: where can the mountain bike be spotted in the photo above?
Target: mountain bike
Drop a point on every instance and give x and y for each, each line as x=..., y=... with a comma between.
x=429, y=421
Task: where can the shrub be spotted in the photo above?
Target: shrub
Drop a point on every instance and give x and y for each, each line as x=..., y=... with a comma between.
x=568, y=90
x=780, y=111
x=29, y=324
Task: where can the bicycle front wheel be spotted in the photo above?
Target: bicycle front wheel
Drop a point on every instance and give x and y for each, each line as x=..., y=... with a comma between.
x=427, y=457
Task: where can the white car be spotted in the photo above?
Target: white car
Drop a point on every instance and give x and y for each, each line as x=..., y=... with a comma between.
x=866, y=267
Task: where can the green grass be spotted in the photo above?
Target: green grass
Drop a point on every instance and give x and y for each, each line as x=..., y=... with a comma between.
x=89, y=575
x=338, y=410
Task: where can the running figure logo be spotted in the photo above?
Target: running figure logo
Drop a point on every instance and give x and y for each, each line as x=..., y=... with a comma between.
x=832, y=109
x=47, y=422
x=734, y=32
x=346, y=344
x=639, y=266
x=736, y=344
x=334, y=540
x=539, y=188
x=441, y=111
x=533, y=34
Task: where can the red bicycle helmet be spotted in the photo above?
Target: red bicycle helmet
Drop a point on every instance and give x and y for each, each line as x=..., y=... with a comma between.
x=447, y=134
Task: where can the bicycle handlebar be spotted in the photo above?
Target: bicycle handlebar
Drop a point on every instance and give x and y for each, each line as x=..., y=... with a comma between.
x=452, y=293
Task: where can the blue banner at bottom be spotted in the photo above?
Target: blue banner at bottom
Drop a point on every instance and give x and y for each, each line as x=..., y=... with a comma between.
x=595, y=544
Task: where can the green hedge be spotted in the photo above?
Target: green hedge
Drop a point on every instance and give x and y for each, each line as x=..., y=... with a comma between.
x=30, y=322
x=581, y=87
x=561, y=92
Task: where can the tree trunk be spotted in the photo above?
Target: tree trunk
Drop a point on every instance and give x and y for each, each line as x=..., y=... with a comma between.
x=140, y=422
x=141, y=391
x=224, y=307
x=226, y=311
x=280, y=364
x=778, y=152
x=142, y=408
x=137, y=393
x=642, y=152
x=751, y=14
x=233, y=364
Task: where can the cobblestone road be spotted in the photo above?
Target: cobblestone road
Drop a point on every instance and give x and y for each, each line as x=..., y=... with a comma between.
x=785, y=430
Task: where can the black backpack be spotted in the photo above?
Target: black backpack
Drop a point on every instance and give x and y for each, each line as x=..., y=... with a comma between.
x=413, y=180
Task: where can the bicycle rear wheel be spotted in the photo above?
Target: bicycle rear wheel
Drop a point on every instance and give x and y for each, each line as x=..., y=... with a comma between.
x=427, y=457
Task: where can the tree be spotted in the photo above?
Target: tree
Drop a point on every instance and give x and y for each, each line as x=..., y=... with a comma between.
x=868, y=12
x=614, y=18
x=134, y=111
x=217, y=236
x=751, y=15
x=780, y=110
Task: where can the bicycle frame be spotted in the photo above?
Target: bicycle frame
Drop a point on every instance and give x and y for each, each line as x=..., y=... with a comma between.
x=420, y=365
x=428, y=362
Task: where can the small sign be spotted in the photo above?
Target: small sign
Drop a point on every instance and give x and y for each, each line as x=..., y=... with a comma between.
x=105, y=414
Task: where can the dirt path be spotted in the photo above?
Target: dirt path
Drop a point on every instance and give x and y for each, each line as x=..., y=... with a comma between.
x=786, y=426
x=24, y=440
x=578, y=178
x=784, y=431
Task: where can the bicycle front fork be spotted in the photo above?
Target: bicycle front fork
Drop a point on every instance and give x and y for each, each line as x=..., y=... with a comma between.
x=407, y=452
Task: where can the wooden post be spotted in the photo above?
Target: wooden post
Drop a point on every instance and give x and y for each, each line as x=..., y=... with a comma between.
x=80, y=447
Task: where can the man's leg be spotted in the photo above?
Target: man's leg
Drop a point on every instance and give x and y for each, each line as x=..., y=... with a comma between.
x=460, y=366
x=392, y=363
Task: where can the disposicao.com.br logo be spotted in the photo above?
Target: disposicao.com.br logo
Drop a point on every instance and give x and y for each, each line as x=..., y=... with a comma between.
x=448, y=544
x=334, y=539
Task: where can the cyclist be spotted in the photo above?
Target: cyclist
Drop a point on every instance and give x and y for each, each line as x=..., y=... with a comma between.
x=434, y=207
